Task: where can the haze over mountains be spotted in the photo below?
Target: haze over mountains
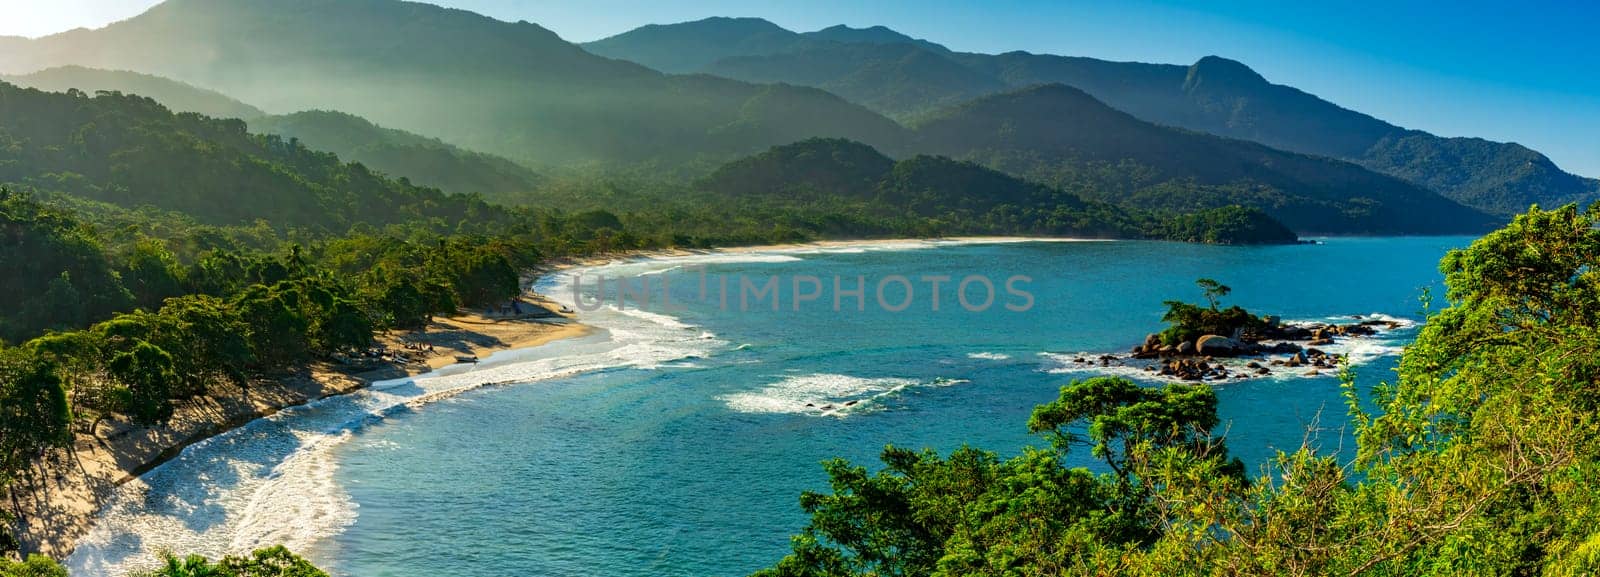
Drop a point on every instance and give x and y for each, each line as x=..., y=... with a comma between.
x=901, y=76
x=518, y=91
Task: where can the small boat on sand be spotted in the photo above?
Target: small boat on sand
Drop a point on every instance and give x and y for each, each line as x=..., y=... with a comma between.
x=466, y=359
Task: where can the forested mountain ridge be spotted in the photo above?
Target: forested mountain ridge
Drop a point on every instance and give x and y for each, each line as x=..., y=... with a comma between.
x=856, y=179
x=175, y=95
x=1214, y=95
x=131, y=151
x=1063, y=136
x=513, y=89
x=419, y=159
x=518, y=90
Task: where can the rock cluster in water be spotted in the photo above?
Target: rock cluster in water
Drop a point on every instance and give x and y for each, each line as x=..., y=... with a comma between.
x=1297, y=344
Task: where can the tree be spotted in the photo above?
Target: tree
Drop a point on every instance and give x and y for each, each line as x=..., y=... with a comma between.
x=152, y=274
x=268, y=562
x=145, y=371
x=34, y=413
x=35, y=566
x=1213, y=290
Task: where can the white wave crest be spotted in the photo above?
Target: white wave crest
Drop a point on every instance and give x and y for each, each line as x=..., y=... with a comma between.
x=819, y=394
x=987, y=356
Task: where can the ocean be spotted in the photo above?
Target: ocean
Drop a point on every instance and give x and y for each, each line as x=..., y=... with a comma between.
x=677, y=439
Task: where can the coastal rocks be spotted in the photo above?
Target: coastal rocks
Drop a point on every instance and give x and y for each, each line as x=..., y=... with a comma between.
x=1219, y=346
x=1150, y=349
x=1193, y=370
x=1282, y=349
x=1266, y=349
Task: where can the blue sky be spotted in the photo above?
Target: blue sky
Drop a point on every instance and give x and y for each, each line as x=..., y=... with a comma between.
x=1526, y=72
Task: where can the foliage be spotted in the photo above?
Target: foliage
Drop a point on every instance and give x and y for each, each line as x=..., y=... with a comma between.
x=1187, y=322
x=130, y=151
x=33, y=566
x=269, y=562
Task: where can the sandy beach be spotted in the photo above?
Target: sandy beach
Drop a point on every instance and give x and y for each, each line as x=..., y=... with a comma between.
x=57, y=506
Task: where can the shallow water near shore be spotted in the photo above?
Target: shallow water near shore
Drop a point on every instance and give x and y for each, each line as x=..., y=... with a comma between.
x=677, y=442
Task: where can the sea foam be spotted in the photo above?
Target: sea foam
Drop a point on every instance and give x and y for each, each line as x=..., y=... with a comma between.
x=273, y=481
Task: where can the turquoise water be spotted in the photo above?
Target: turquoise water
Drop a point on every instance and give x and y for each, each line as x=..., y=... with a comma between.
x=693, y=467
x=677, y=442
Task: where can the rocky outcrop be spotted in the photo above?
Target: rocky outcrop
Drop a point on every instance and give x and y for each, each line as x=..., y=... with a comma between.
x=1274, y=346
x=1219, y=346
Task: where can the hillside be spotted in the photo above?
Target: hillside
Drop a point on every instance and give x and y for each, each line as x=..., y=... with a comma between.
x=418, y=159
x=855, y=178
x=512, y=89
x=1214, y=95
x=1061, y=135
x=172, y=94
x=130, y=151
x=519, y=91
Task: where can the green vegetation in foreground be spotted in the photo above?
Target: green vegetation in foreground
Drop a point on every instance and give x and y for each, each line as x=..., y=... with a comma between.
x=269, y=562
x=1482, y=458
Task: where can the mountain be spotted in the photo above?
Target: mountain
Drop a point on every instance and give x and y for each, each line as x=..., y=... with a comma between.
x=1063, y=136
x=897, y=79
x=690, y=46
x=172, y=94
x=870, y=35
x=858, y=179
x=512, y=89
x=1214, y=95
x=519, y=91
x=130, y=151
x=425, y=161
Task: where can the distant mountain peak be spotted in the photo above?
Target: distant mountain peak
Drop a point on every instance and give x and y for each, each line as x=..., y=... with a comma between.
x=741, y=23
x=870, y=35
x=1224, y=71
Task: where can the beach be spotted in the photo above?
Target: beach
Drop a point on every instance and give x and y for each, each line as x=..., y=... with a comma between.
x=59, y=504
x=62, y=504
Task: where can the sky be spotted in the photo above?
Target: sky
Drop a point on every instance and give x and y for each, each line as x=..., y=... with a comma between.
x=1526, y=72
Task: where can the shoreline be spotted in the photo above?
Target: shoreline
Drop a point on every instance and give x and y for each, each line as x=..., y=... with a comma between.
x=60, y=503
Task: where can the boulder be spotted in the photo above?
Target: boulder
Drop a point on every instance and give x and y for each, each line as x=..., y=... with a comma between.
x=1285, y=348
x=1218, y=345
x=1186, y=348
x=1152, y=341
